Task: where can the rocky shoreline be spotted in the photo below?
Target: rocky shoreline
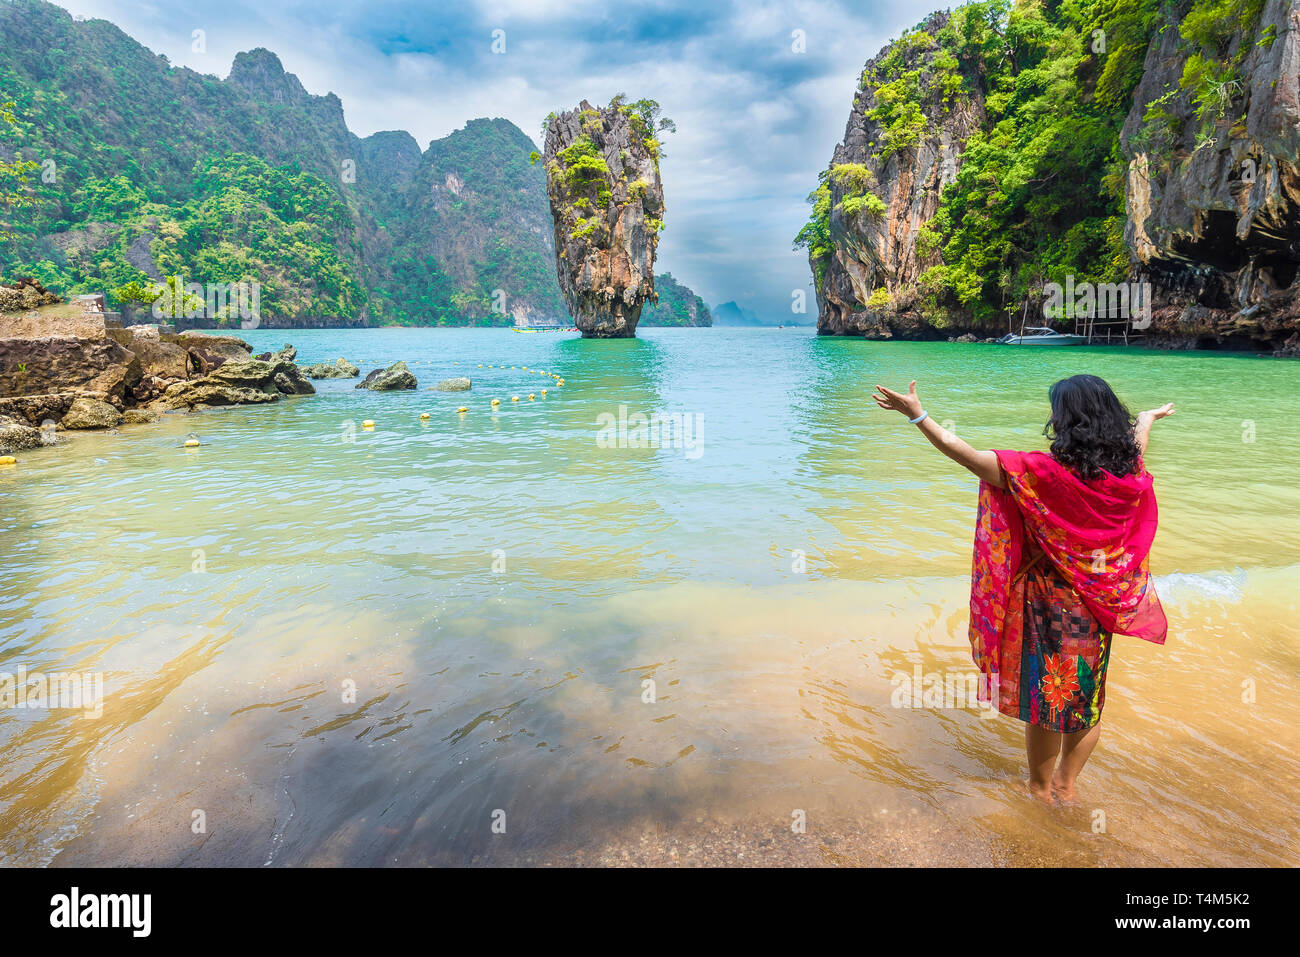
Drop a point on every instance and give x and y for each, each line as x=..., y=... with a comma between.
x=70, y=371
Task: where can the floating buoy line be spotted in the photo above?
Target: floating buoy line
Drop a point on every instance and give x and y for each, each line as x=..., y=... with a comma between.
x=369, y=424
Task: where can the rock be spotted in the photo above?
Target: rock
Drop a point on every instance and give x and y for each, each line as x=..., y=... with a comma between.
x=341, y=369
x=42, y=325
x=292, y=383
x=91, y=414
x=395, y=377
x=205, y=393
x=66, y=364
x=246, y=382
x=876, y=252
x=607, y=214
x=968, y=337
x=208, y=352
x=37, y=409
x=1212, y=190
x=25, y=294
x=1214, y=209
x=460, y=384
x=158, y=358
x=287, y=354
x=16, y=436
x=139, y=416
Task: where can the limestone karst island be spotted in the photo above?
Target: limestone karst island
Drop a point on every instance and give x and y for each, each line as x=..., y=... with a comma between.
x=654, y=434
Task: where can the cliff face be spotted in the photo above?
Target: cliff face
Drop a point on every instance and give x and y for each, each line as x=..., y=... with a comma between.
x=874, y=248
x=1169, y=153
x=1213, y=197
x=607, y=205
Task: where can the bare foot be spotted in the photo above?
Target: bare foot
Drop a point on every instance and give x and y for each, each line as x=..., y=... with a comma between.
x=1042, y=795
x=1063, y=792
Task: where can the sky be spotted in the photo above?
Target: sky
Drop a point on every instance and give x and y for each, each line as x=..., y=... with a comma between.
x=760, y=92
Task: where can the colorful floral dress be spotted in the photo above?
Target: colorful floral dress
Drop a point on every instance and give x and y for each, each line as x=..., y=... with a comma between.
x=1060, y=565
x=1063, y=655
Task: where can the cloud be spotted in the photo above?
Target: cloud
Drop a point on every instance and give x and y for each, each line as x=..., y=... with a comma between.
x=756, y=120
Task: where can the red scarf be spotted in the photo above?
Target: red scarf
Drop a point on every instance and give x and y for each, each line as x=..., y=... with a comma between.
x=1097, y=534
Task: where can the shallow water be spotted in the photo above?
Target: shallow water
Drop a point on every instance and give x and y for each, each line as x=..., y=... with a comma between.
x=499, y=587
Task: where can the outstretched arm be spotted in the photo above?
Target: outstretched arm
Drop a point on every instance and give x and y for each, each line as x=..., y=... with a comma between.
x=1142, y=429
x=983, y=464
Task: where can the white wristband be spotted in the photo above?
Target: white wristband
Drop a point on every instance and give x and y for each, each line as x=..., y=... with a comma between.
x=920, y=418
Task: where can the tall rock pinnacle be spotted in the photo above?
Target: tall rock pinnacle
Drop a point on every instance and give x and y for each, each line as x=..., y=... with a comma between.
x=607, y=201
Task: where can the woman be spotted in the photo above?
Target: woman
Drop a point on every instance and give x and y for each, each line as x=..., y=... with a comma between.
x=1061, y=546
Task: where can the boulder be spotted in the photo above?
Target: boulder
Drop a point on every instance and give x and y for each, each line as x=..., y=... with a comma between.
x=86, y=413
x=460, y=384
x=16, y=436
x=25, y=294
x=394, y=378
x=292, y=383
x=164, y=360
x=246, y=382
x=341, y=369
x=36, y=409
x=198, y=394
x=287, y=354
x=139, y=416
x=208, y=352
x=66, y=364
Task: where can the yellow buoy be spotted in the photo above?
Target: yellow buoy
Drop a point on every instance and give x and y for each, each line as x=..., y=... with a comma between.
x=496, y=401
x=424, y=415
x=531, y=397
x=462, y=409
x=191, y=443
x=368, y=424
x=514, y=398
x=543, y=393
x=8, y=460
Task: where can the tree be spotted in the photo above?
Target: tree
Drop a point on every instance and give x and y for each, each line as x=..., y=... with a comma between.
x=14, y=193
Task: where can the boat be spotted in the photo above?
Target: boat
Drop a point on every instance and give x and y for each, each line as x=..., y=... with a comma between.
x=1042, y=336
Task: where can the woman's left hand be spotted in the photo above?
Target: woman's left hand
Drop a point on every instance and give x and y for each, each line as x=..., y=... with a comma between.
x=909, y=404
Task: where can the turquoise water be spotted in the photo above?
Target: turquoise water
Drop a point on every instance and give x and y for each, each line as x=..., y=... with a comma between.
x=498, y=587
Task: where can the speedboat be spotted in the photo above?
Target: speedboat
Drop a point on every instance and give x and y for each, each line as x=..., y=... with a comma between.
x=1042, y=336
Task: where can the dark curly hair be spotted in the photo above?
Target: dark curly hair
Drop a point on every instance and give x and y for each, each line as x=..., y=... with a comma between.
x=1091, y=429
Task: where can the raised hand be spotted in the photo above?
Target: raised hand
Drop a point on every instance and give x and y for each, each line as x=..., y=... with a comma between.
x=1155, y=415
x=909, y=404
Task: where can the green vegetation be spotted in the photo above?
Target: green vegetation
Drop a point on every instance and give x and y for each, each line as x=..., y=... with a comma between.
x=677, y=306
x=1040, y=188
x=647, y=121
x=245, y=222
x=815, y=236
x=145, y=170
x=1212, y=74
x=14, y=193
